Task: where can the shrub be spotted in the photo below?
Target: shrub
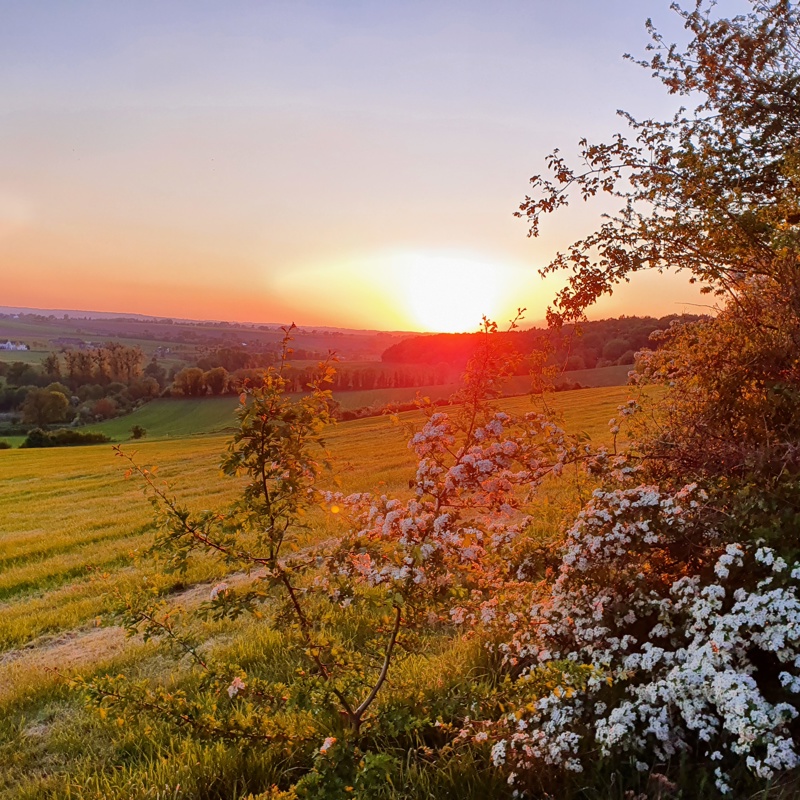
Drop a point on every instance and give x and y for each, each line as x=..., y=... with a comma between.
x=62, y=438
x=105, y=408
x=43, y=406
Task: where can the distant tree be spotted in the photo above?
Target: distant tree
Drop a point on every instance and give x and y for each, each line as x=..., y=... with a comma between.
x=42, y=407
x=138, y=432
x=12, y=397
x=90, y=391
x=574, y=362
x=628, y=357
x=216, y=380
x=613, y=349
x=116, y=388
x=231, y=358
x=51, y=366
x=79, y=366
x=21, y=374
x=105, y=408
x=144, y=388
x=156, y=371
x=124, y=363
x=56, y=386
x=190, y=382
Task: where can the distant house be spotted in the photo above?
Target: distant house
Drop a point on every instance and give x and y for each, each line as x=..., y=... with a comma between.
x=9, y=345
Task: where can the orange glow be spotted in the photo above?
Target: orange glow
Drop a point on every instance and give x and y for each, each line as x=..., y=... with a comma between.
x=403, y=290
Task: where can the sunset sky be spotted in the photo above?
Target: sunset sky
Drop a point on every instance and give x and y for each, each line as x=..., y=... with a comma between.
x=332, y=163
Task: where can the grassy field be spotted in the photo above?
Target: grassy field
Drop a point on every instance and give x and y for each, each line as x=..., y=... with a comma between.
x=72, y=536
x=179, y=417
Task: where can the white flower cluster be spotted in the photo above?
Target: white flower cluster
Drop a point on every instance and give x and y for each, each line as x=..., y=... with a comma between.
x=671, y=661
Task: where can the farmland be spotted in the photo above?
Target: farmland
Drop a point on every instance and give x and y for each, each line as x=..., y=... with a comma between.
x=183, y=339
x=176, y=417
x=72, y=542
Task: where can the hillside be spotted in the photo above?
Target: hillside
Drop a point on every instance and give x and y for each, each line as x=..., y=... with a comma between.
x=181, y=340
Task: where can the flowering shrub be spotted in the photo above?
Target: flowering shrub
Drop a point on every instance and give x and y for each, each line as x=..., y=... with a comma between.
x=734, y=384
x=446, y=553
x=694, y=655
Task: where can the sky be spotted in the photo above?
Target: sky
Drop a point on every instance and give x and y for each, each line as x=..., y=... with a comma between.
x=327, y=162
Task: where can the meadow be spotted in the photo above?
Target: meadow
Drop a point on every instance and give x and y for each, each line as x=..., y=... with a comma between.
x=73, y=536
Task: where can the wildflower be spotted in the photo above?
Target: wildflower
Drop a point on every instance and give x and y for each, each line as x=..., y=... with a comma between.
x=327, y=744
x=499, y=753
x=237, y=684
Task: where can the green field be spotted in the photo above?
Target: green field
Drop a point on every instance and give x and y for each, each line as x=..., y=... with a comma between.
x=72, y=534
x=179, y=417
x=175, y=417
x=25, y=356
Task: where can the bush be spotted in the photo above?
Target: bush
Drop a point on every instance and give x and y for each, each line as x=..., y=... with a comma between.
x=138, y=432
x=15, y=430
x=105, y=408
x=5, y=445
x=62, y=438
x=90, y=391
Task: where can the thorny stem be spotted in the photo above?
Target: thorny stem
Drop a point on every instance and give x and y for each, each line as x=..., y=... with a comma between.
x=313, y=649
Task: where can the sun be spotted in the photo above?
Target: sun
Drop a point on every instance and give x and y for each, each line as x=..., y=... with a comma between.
x=445, y=293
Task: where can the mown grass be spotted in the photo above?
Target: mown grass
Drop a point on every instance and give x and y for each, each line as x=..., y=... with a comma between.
x=73, y=533
x=68, y=515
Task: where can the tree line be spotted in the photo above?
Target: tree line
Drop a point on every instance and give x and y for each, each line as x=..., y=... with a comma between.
x=599, y=343
x=196, y=382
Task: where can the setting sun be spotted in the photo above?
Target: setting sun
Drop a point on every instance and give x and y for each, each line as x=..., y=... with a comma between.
x=449, y=293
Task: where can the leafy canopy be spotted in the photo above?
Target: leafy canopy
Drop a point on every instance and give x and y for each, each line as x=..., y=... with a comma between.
x=716, y=189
